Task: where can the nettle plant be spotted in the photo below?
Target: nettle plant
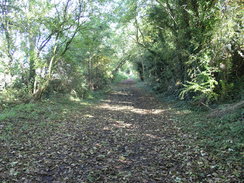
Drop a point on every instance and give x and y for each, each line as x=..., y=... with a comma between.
x=202, y=81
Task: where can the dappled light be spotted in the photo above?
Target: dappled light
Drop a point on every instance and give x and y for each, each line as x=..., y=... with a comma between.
x=122, y=124
x=151, y=136
x=121, y=91
x=128, y=133
x=88, y=116
x=127, y=106
x=130, y=109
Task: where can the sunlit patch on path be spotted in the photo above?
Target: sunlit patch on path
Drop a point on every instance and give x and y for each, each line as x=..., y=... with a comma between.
x=128, y=137
x=130, y=108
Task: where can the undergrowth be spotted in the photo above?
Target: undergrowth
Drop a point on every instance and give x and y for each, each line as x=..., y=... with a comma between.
x=20, y=119
x=222, y=137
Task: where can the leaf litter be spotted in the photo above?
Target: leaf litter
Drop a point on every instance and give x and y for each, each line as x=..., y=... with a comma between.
x=127, y=137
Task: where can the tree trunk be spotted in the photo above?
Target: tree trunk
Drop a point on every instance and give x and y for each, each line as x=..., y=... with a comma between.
x=32, y=58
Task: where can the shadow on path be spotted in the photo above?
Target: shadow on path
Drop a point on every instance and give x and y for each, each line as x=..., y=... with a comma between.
x=128, y=137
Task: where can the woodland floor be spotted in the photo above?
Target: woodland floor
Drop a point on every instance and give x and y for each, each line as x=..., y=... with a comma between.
x=126, y=137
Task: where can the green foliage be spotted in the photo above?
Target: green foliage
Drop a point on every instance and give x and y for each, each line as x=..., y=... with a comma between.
x=120, y=76
x=226, y=89
x=190, y=48
x=203, y=87
x=40, y=116
x=12, y=96
x=42, y=33
x=127, y=71
x=222, y=137
x=22, y=111
x=7, y=115
x=68, y=52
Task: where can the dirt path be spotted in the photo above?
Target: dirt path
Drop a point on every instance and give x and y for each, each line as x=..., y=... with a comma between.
x=128, y=137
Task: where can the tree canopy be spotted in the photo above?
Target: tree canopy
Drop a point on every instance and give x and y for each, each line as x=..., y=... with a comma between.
x=58, y=59
x=191, y=49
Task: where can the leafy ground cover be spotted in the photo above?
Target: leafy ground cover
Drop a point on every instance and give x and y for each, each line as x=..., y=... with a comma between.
x=129, y=136
x=222, y=137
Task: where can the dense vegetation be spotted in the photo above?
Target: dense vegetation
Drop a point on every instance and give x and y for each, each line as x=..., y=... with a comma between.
x=191, y=49
x=57, y=54
x=52, y=46
x=194, y=49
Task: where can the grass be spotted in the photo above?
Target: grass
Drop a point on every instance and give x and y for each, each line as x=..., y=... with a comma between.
x=26, y=129
x=222, y=138
x=26, y=126
x=16, y=122
x=121, y=76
